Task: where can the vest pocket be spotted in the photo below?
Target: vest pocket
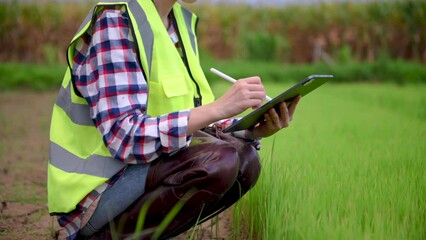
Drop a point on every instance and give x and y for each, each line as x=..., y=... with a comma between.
x=169, y=95
x=175, y=86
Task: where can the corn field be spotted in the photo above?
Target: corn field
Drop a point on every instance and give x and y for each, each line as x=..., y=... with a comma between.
x=331, y=32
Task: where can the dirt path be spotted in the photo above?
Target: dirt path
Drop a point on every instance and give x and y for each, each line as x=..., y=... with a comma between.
x=24, y=129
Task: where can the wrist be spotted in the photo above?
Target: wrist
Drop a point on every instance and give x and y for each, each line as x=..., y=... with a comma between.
x=215, y=112
x=203, y=116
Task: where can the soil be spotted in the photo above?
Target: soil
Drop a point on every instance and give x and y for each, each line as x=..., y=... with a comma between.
x=24, y=145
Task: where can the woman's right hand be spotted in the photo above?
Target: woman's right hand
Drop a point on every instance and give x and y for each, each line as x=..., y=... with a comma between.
x=244, y=94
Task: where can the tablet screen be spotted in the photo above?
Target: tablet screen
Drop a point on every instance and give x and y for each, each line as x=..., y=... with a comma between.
x=301, y=88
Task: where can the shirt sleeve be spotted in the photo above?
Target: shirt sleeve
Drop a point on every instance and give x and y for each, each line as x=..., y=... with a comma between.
x=107, y=73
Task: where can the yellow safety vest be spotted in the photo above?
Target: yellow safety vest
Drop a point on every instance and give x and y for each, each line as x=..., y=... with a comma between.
x=79, y=161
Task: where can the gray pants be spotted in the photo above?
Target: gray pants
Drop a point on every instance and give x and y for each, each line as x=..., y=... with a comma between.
x=112, y=203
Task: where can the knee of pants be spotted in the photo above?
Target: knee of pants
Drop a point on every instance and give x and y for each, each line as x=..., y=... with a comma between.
x=222, y=171
x=249, y=169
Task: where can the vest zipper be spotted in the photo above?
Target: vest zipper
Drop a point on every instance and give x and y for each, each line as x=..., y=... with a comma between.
x=197, y=101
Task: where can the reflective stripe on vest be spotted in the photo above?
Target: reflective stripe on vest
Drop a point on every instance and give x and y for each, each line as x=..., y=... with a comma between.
x=96, y=165
x=68, y=162
x=78, y=113
x=188, y=21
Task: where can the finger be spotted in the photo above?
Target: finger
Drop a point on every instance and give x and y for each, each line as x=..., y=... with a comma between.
x=283, y=110
x=255, y=95
x=249, y=90
x=254, y=80
x=284, y=114
x=247, y=83
x=275, y=118
x=268, y=121
x=254, y=103
x=253, y=86
x=293, y=105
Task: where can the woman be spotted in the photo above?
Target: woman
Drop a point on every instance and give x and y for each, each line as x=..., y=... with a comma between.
x=132, y=101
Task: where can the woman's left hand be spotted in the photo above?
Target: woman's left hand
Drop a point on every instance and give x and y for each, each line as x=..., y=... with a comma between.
x=276, y=121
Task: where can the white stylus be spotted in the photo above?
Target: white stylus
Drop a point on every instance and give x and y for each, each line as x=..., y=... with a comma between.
x=228, y=78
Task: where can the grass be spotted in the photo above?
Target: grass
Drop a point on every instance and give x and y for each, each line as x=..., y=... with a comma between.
x=383, y=71
x=15, y=76
x=352, y=165
x=31, y=76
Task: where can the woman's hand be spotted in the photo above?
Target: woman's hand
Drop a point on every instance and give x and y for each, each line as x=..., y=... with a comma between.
x=276, y=121
x=244, y=94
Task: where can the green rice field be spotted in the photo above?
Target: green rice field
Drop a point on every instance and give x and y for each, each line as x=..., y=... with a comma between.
x=352, y=165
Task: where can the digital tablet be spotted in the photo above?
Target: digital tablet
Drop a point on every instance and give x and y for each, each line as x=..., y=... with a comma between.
x=301, y=88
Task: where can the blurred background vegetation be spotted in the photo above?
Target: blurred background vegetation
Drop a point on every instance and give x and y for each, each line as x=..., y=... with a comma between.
x=361, y=171
x=375, y=41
